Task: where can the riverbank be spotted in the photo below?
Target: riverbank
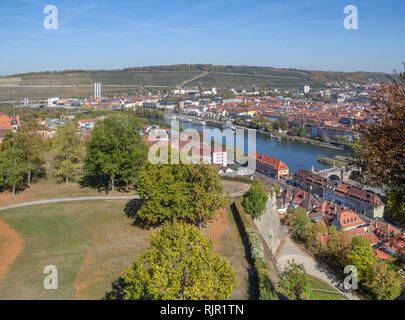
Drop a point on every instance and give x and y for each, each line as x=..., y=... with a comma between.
x=293, y=152
x=219, y=124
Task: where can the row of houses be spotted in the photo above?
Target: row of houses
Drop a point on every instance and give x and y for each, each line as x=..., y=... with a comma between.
x=216, y=155
x=386, y=239
x=343, y=194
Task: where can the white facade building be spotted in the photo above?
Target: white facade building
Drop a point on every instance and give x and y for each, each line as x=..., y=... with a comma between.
x=220, y=158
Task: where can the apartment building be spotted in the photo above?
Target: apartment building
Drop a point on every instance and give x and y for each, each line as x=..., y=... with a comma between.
x=270, y=167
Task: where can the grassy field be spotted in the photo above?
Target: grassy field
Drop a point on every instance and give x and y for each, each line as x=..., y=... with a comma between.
x=48, y=186
x=317, y=284
x=91, y=243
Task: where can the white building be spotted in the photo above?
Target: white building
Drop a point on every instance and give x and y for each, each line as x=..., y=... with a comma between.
x=52, y=102
x=305, y=89
x=220, y=158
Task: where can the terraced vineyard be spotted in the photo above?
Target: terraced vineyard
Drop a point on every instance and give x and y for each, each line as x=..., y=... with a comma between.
x=79, y=83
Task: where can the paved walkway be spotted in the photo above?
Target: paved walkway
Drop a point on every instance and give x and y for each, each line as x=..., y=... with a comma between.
x=290, y=250
x=25, y=204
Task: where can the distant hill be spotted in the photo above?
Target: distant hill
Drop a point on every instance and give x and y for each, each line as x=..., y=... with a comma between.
x=79, y=83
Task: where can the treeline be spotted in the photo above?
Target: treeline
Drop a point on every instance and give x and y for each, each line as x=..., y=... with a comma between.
x=112, y=156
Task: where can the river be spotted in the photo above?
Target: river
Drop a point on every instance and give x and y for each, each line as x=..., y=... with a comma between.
x=296, y=155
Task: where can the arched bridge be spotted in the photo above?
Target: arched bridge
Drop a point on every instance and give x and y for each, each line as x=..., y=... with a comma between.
x=337, y=173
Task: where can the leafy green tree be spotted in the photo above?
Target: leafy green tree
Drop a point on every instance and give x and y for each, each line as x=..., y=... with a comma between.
x=325, y=139
x=238, y=121
x=263, y=124
x=294, y=281
x=277, y=189
x=68, y=151
x=277, y=124
x=302, y=132
x=13, y=165
x=337, y=247
x=180, y=264
x=254, y=123
x=384, y=284
x=298, y=220
x=255, y=200
x=341, y=139
x=312, y=236
x=33, y=154
x=116, y=151
x=190, y=193
x=361, y=255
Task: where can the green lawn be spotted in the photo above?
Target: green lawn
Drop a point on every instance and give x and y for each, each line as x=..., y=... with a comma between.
x=315, y=283
x=91, y=244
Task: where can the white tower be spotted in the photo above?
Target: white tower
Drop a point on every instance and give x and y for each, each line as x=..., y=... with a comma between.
x=97, y=90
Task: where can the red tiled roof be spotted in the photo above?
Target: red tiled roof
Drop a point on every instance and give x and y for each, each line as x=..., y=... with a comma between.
x=275, y=163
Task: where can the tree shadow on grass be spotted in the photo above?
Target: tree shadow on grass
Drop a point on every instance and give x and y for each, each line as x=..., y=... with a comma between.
x=131, y=211
x=117, y=291
x=99, y=183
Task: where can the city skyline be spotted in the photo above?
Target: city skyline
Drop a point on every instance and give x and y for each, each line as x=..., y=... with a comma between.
x=306, y=35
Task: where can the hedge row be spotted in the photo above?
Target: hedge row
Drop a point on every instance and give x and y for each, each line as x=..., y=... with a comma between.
x=244, y=179
x=267, y=290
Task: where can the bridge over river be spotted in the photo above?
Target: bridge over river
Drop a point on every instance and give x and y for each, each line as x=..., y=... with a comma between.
x=338, y=173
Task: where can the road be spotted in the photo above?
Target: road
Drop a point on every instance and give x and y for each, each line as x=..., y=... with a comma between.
x=25, y=204
x=289, y=250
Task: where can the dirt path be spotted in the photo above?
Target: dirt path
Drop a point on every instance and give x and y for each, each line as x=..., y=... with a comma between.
x=11, y=244
x=216, y=228
x=24, y=204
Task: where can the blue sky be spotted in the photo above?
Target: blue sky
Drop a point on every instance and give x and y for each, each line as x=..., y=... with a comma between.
x=109, y=34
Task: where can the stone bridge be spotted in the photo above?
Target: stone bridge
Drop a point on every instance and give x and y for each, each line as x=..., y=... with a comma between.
x=337, y=173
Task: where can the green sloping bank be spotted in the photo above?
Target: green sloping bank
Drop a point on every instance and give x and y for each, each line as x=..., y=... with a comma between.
x=51, y=237
x=266, y=287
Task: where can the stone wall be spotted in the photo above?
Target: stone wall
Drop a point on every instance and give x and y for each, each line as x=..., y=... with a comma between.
x=269, y=225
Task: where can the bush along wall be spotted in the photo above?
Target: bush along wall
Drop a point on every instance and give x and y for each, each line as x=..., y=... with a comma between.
x=267, y=290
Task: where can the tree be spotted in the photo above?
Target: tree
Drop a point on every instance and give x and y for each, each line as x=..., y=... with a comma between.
x=255, y=200
x=381, y=151
x=337, y=247
x=384, y=284
x=180, y=264
x=12, y=161
x=33, y=156
x=190, y=193
x=68, y=151
x=294, y=282
x=254, y=123
x=341, y=140
x=312, y=236
x=325, y=139
x=302, y=133
x=277, y=189
x=116, y=151
x=361, y=255
x=298, y=220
